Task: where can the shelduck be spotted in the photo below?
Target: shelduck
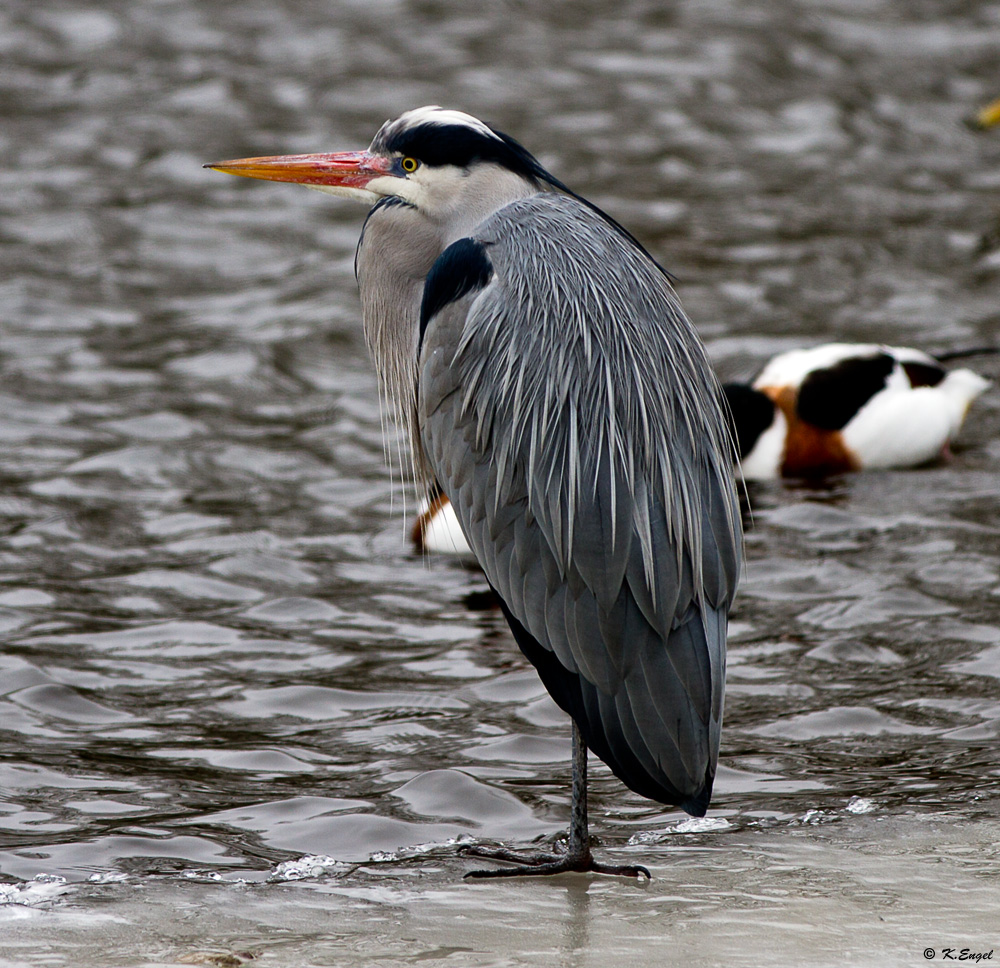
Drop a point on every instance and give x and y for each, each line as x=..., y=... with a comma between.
x=436, y=529
x=848, y=406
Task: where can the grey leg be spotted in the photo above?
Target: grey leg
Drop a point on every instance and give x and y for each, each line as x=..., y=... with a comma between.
x=578, y=856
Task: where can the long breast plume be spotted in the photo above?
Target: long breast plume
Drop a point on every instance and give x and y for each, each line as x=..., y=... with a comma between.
x=395, y=251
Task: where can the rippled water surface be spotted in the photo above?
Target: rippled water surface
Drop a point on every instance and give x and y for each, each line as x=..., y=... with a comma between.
x=240, y=717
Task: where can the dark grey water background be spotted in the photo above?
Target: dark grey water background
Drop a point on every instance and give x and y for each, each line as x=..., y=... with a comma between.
x=220, y=655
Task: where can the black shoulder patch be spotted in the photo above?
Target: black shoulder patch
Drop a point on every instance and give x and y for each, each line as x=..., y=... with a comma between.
x=749, y=413
x=923, y=374
x=462, y=268
x=830, y=398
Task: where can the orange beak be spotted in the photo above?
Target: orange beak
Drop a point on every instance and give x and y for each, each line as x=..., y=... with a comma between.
x=343, y=169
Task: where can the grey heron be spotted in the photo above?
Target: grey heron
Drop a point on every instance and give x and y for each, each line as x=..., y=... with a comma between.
x=551, y=385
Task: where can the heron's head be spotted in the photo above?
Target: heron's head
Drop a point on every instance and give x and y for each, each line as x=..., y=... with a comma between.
x=438, y=161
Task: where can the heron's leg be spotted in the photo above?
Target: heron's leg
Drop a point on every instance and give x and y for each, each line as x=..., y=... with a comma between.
x=579, y=833
x=578, y=856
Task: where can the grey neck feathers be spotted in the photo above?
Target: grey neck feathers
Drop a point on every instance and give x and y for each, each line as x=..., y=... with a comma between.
x=396, y=251
x=398, y=246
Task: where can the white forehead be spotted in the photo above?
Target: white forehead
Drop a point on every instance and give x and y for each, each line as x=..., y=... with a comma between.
x=433, y=114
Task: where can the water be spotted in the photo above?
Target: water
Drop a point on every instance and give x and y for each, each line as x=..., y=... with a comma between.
x=238, y=717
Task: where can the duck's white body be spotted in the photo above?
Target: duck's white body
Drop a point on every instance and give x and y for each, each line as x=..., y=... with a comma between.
x=849, y=406
x=437, y=530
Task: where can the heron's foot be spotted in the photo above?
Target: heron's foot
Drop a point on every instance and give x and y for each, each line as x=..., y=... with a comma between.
x=539, y=865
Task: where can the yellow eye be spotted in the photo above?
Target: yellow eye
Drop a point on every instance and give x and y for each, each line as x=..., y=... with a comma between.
x=409, y=165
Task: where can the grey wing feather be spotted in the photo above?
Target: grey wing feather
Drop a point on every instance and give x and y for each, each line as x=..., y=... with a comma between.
x=568, y=411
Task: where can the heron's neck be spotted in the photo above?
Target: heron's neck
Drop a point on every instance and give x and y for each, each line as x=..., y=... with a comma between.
x=397, y=249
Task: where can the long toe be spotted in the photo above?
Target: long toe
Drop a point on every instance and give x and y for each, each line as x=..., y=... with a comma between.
x=510, y=856
x=562, y=865
x=540, y=865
